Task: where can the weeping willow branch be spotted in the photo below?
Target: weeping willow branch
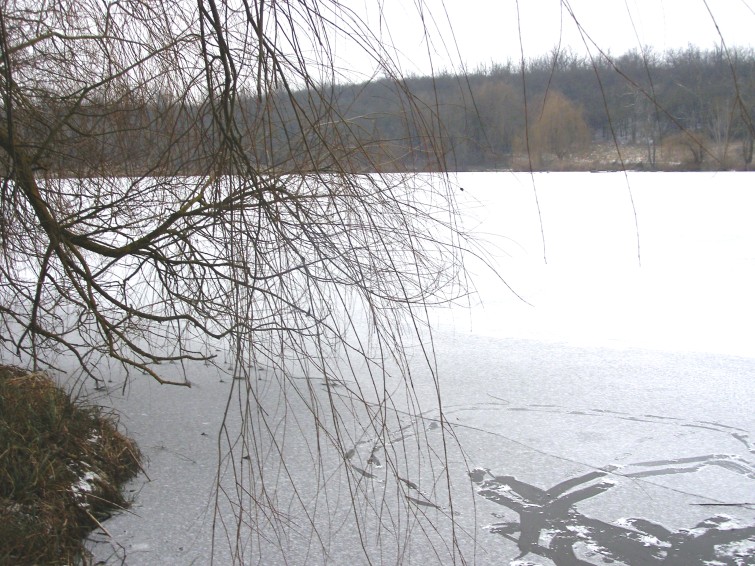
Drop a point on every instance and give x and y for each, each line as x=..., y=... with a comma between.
x=178, y=181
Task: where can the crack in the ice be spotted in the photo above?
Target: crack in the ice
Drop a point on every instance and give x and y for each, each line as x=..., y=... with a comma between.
x=729, y=462
x=738, y=434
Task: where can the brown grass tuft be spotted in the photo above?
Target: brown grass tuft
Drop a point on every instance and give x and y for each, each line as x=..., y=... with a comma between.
x=61, y=468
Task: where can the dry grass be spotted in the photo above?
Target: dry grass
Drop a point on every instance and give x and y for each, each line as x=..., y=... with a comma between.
x=673, y=154
x=61, y=468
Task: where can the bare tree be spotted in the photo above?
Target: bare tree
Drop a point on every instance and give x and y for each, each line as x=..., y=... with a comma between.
x=560, y=129
x=177, y=179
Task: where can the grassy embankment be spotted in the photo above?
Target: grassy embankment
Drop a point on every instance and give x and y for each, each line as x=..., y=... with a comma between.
x=62, y=464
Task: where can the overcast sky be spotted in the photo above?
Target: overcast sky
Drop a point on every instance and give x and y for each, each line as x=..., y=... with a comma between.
x=488, y=31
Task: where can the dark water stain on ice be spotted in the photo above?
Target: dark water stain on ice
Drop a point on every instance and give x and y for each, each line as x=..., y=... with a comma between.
x=550, y=522
x=421, y=503
x=364, y=473
x=408, y=483
x=550, y=526
x=373, y=460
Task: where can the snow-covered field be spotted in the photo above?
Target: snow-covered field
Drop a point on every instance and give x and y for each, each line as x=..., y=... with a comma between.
x=606, y=414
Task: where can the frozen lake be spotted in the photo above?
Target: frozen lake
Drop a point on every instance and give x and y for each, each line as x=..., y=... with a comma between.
x=604, y=414
x=578, y=265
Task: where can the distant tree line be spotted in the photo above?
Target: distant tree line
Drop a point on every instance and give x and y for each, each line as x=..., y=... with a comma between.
x=686, y=109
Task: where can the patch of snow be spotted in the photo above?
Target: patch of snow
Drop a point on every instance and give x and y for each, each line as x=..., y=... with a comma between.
x=644, y=538
x=741, y=552
x=624, y=522
x=84, y=486
x=727, y=523
x=650, y=540
x=546, y=537
x=579, y=530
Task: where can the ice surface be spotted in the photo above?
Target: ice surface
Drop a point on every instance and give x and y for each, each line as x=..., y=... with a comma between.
x=610, y=414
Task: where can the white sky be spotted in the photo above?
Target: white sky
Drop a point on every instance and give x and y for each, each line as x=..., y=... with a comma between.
x=487, y=31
